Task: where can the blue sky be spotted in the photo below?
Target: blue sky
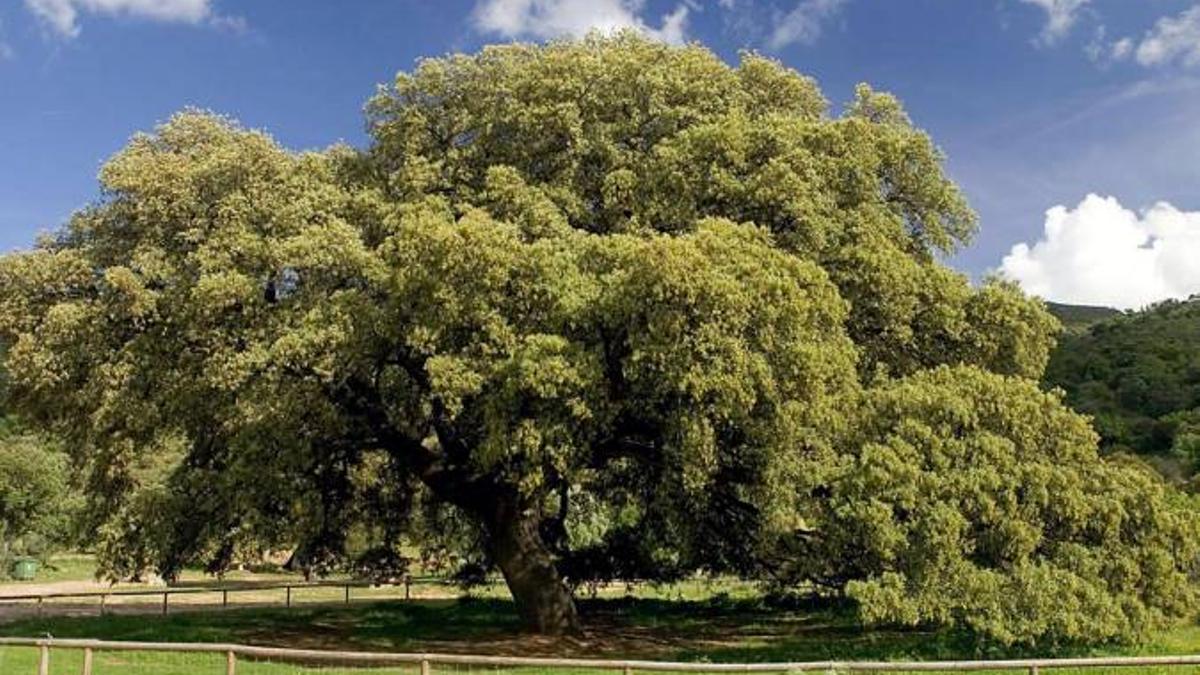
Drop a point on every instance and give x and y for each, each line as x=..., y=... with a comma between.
x=1037, y=103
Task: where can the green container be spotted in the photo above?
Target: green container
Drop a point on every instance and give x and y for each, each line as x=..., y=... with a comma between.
x=25, y=569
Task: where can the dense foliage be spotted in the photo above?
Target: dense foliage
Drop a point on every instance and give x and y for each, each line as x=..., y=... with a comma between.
x=1138, y=375
x=590, y=310
x=968, y=498
x=37, y=504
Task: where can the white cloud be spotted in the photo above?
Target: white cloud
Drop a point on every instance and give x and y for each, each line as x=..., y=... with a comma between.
x=1122, y=48
x=62, y=16
x=804, y=23
x=1060, y=18
x=1173, y=39
x=1101, y=253
x=546, y=19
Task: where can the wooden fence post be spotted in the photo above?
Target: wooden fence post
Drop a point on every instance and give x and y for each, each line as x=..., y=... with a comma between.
x=1034, y=670
x=230, y=663
x=347, y=593
x=288, y=602
x=407, y=582
x=425, y=667
x=224, y=597
x=40, y=598
x=165, y=596
x=103, y=601
x=44, y=660
x=87, y=661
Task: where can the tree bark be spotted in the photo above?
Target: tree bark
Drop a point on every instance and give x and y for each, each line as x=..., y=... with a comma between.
x=529, y=567
x=542, y=599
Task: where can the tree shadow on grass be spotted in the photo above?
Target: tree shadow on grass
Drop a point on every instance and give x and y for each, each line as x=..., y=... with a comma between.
x=716, y=630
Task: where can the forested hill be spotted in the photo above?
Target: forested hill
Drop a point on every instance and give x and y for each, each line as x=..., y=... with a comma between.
x=1076, y=318
x=1138, y=374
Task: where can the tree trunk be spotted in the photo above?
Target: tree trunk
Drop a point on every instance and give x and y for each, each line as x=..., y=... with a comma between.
x=516, y=546
x=542, y=599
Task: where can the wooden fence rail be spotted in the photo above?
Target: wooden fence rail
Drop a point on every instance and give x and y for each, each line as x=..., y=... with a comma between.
x=233, y=653
x=224, y=591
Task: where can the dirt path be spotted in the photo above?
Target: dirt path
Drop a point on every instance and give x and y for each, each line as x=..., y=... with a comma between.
x=10, y=590
x=12, y=610
x=242, y=594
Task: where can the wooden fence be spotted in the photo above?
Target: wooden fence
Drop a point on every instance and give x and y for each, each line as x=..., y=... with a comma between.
x=424, y=663
x=224, y=591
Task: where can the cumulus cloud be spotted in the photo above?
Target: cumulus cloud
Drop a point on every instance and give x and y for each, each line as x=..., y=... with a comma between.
x=1101, y=253
x=62, y=16
x=1060, y=18
x=1173, y=39
x=804, y=23
x=545, y=19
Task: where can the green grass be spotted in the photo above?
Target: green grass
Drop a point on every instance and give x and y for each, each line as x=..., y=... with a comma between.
x=717, y=630
x=24, y=660
x=67, y=567
x=82, y=567
x=697, y=620
x=16, y=662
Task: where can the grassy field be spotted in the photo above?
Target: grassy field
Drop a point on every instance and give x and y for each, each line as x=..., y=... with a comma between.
x=708, y=621
x=70, y=567
x=142, y=664
x=717, y=630
x=81, y=567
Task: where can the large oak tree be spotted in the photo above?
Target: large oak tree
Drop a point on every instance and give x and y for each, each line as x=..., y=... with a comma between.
x=617, y=308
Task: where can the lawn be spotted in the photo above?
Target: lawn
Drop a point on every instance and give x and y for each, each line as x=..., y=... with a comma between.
x=66, y=567
x=716, y=630
x=697, y=620
x=81, y=567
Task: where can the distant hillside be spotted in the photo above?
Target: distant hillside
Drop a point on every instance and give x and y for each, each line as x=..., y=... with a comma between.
x=1078, y=317
x=1138, y=374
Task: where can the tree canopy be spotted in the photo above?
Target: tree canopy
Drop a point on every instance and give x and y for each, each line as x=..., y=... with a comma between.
x=601, y=309
x=968, y=498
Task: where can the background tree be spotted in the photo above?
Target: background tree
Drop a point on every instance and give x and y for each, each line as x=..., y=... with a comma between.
x=610, y=306
x=37, y=506
x=1138, y=376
